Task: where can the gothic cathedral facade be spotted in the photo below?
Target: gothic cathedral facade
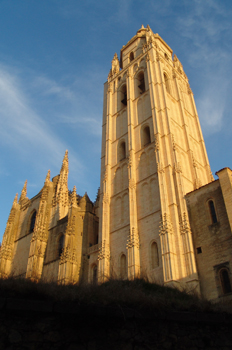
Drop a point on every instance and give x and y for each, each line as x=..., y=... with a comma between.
x=153, y=154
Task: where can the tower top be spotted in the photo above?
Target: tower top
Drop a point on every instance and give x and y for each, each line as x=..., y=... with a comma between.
x=143, y=38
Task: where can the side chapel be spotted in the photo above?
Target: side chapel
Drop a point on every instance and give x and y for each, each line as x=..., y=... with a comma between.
x=159, y=212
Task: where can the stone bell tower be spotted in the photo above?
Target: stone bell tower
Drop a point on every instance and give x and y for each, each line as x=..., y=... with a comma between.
x=153, y=153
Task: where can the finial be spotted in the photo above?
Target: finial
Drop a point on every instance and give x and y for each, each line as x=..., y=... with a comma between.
x=15, y=199
x=86, y=197
x=24, y=191
x=74, y=197
x=48, y=177
x=115, y=64
x=98, y=195
x=148, y=27
x=142, y=30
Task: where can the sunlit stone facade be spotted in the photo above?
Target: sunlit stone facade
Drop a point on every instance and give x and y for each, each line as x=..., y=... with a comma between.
x=153, y=153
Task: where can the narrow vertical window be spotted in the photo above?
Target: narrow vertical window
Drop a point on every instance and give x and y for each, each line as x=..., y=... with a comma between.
x=123, y=273
x=32, y=223
x=131, y=56
x=60, y=245
x=166, y=83
x=146, y=136
x=124, y=95
x=225, y=281
x=212, y=212
x=122, y=151
x=141, y=83
x=154, y=256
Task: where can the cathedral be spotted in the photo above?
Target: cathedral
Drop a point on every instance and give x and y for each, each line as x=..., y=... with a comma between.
x=158, y=214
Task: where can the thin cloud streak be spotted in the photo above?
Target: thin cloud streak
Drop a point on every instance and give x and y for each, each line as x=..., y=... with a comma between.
x=50, y=87
x=20, y=127
x=204, y=24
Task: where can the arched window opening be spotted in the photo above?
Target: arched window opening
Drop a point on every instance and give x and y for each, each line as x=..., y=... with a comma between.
x=146, y=136
x=60, y=245
x=131, y=56
x=122, y=151
x=166, y=83
x=94, y=271
x=141, y=83
x=124, y=95
x=154, y=255
x=32, y=223
x=123, y=270
x=212, y=212
x=225, y=281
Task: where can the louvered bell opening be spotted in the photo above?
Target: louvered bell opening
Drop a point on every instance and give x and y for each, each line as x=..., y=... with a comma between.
x=142, y=86
x=124, y=101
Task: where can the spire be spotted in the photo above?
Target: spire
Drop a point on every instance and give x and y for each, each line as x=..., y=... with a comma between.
x=65, y=162
x=62, y=197
x=74, y=197
x=24, y=192
x=86, y=197
x=47, y=180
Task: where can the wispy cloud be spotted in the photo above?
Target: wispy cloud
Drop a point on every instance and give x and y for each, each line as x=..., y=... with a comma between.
x=211, y=108
x=50, y=87
x=21, y=128
x=202, y=28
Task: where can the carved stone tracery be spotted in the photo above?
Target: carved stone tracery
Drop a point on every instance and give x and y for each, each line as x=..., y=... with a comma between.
x=104, y=251
x=133, y=239
x=165, y=226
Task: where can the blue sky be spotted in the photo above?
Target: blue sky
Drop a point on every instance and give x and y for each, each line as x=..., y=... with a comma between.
x=55, y=56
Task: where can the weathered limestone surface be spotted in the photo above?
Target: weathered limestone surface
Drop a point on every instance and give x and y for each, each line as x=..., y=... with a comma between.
x=153, y=153
x=213, y=239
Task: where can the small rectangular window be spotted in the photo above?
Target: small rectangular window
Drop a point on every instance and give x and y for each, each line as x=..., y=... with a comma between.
x=199, y=251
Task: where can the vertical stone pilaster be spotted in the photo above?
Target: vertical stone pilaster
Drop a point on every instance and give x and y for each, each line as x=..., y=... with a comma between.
x=186, y=236
x=40, y=234
x=104, y=262
x=225, y=179
x=70, y=260
x=104, y=255
x=168, y=254
x=6, y=252
x=133, y=246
